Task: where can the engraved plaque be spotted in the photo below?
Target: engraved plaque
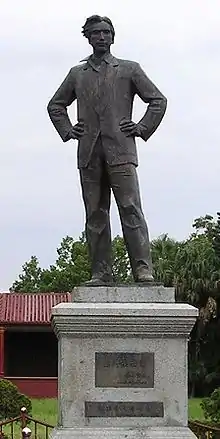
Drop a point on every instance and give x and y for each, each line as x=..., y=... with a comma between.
x=124, y=369
x=95, y=409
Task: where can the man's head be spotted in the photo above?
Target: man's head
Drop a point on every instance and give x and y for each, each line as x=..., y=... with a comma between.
x=100, y=32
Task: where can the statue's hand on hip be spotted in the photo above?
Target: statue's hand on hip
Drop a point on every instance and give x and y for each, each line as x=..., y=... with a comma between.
x=130, y=128
x=77, y=131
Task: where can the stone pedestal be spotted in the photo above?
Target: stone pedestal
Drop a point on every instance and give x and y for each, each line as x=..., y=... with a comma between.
x=123, y=364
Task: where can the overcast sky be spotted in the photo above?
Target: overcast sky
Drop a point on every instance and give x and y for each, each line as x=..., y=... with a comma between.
x=178, y=45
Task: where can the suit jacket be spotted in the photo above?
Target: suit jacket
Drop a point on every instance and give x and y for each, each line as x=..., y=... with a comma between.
x=103, y=100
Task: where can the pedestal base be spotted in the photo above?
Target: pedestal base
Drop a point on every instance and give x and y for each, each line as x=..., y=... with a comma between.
x=123, y=433
x=123, y=364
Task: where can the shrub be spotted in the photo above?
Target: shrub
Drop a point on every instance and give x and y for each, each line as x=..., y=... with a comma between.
x=11, y=400
x=211, y=407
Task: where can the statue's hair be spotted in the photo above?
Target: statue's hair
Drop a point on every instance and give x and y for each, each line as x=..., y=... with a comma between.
x=93, y=20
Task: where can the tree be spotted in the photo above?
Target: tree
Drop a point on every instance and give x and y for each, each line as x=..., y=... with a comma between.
x=211, y=229
x=29, y=279
x=11, y=400
x=193, y=267
x=197, y=283
x=164, y=252
x=211, y=407
x=71, y=268
x=121, y=264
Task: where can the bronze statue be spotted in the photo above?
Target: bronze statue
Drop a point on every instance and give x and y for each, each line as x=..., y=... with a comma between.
x=104, y=87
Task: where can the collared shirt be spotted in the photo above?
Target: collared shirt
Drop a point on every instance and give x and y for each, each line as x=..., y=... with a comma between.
x=99, y=81
x=108, y=59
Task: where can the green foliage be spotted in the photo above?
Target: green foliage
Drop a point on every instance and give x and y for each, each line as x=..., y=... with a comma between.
x=121, y=264
x=30, y=277
x=196, y=271
x=211, y=407
x=71, y=268
x=164, y=253
x=11, y=400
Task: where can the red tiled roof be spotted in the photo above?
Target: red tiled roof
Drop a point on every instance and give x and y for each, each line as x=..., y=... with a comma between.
x=1, y=307
x=29, y=309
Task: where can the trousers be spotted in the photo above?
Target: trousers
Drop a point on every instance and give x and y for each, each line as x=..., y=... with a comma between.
x=97, y=181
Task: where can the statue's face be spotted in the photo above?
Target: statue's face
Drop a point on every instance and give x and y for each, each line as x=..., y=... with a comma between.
x=101, y=37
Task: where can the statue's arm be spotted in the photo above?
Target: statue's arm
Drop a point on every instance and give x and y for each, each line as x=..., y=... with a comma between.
x=57, y=107
x=150, y=94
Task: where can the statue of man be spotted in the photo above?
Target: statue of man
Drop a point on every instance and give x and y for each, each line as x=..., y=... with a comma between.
x=104, y=87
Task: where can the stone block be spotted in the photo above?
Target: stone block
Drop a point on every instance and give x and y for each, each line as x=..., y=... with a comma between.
x=124, y=319
x=123, y=433
x=150, y=293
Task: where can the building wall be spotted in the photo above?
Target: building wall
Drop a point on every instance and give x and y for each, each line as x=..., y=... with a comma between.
x=31, y=361
x=37, y=387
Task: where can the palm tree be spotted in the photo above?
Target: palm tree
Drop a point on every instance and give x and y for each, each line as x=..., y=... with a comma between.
x=164, y=251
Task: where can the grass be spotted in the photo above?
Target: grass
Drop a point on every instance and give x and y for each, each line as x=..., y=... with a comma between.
x=195, y=410
x=46, y=410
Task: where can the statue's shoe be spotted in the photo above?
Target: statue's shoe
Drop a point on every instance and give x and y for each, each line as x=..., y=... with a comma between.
x=144, y=275
x=96, y=281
